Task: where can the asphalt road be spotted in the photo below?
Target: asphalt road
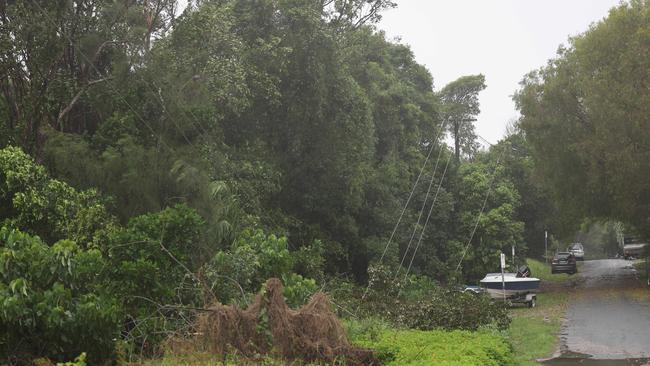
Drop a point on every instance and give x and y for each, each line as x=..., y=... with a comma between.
x=608, y=318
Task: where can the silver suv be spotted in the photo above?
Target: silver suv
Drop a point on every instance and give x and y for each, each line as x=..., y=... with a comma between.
x=578, y=251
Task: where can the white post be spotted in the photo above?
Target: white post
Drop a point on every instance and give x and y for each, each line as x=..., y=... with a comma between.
x=503, y=277
x=546, y=246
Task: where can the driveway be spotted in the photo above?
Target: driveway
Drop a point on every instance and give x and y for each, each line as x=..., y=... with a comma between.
x=609, y=317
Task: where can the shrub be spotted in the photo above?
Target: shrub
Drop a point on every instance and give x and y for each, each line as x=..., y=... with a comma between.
x=309, y=260
x=441, y=348
x=297, y=289
x=150, y=269
x=52, y=305
x=35, y=203
x=451, y=309
x=420, y=303
x=252, y=259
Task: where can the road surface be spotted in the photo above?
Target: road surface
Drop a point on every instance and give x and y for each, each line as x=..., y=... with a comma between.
x=609, y=317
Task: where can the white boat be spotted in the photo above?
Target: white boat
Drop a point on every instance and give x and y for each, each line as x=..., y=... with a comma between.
x=516, y=286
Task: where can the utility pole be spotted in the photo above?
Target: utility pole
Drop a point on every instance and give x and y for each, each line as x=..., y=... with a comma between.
x=546, y=246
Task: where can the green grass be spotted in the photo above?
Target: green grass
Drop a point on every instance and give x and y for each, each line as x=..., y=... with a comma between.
x=534, y=332
x=639, y=265
x=436, y=348
x=542, y=271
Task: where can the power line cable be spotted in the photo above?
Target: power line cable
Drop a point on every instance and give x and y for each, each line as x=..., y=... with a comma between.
x=383, y=254
x=426, y=197
x=435, y=198
x=478, y=218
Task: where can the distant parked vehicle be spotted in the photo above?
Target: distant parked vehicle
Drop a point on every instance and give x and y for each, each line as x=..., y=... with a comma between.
x=564, y=262
x=577, y=250
x=633, y=247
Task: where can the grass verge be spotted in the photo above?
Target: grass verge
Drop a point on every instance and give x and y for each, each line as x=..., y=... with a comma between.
x=640, y=266
x=534, y=332
x=542, y=271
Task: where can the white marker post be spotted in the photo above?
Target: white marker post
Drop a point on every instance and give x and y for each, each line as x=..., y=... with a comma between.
x=546, y=246
x=503, y=277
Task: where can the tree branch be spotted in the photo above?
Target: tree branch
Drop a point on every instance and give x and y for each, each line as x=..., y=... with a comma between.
x=75, y=99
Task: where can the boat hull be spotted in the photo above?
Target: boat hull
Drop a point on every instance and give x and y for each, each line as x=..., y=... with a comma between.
x=514, y=286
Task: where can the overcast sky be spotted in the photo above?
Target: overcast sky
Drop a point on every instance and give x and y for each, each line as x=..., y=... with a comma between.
x=502, y=39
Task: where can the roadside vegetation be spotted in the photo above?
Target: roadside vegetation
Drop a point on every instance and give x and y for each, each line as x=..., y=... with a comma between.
x=157, y=165
x=542, y=271
x=437, y=347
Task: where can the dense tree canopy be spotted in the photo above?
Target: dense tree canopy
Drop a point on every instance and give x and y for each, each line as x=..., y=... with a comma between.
x=158, y=161
x=586, y=118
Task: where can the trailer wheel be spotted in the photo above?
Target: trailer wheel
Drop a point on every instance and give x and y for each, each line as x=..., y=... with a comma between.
x=532, y=303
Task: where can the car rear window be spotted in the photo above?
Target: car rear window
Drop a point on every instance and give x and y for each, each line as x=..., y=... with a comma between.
x=563, y=255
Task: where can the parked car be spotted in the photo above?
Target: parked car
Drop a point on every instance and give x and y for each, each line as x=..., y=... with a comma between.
x=633, y=247
x=564, y=262
x=578, y=251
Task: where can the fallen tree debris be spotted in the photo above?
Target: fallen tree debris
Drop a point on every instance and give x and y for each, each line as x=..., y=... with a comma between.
x=268, y=326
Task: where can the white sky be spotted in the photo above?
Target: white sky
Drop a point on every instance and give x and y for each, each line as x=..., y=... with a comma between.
x=502, y=39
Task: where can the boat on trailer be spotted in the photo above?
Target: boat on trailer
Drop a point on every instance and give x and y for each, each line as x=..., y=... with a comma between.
x=519, y=287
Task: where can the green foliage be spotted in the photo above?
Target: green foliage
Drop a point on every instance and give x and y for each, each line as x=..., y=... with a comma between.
x=297, y=289
x=452, y=309
x=536, y=210
x=533, y=332
x=414, y=347
x=78, y=361
x=542, y=271
x=240, y=120
x=585, y=115
x=33, y=202
x=460, y=108
x=309, y=260
x=151, y=263
x=252, y=259
x=419, y=303
x=51, y=296
x=497, y=227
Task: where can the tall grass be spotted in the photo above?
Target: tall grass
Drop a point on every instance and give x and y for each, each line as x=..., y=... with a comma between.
x=542, y=271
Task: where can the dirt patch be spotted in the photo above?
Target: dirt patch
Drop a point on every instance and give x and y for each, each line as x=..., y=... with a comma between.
x=269, y=327
x=570, y=284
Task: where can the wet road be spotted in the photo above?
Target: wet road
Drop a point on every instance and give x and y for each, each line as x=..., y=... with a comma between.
x=609, y=317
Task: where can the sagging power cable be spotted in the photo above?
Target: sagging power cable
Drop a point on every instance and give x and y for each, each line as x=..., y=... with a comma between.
x=424, y=203
x=480, y=214
x=408, y=200
x=435, y=198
